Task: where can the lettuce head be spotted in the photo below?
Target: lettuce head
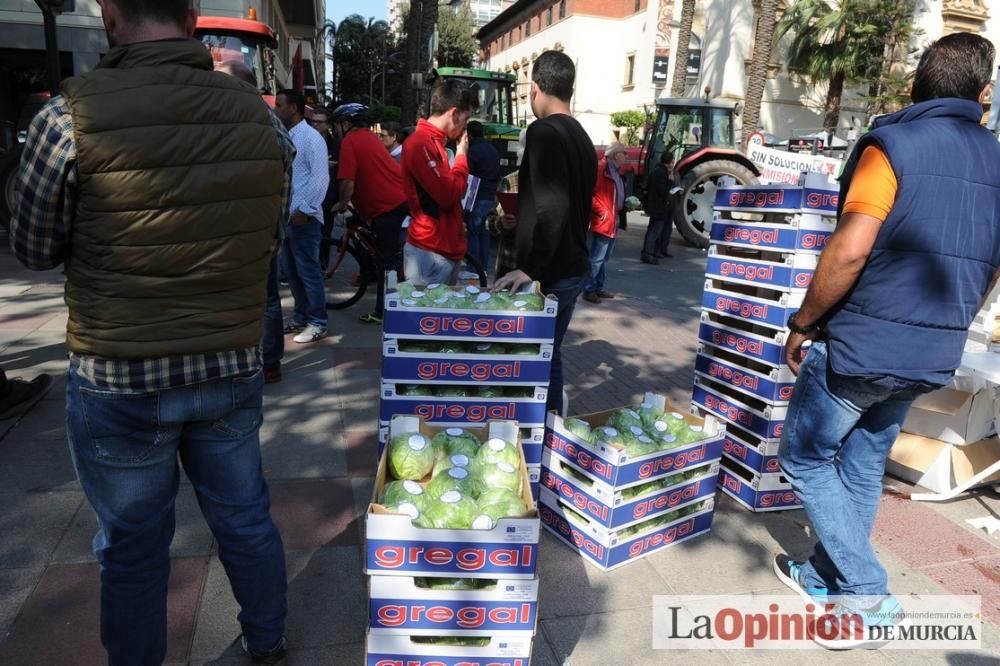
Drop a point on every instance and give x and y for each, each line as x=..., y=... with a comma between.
x=411, y=456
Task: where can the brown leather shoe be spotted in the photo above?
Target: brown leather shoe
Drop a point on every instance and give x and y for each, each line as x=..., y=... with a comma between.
x=272, y=375
x=591, y=297
x=605, y=294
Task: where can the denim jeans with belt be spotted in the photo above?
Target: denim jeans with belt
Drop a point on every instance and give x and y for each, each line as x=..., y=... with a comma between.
x=126, y=446
x=300, y=261
x=567, y=290
x=838, y=432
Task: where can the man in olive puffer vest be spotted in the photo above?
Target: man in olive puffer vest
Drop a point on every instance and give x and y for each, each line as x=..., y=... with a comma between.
x=159, y=184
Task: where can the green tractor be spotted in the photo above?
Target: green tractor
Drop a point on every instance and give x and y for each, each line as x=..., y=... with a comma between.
x=496, y=108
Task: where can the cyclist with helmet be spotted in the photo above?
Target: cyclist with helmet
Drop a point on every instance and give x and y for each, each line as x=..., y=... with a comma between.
x=370, y=179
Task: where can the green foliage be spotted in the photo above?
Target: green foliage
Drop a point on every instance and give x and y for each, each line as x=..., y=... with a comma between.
x=630, y=121
x=457, y=45
x=362, y=55
x=383, y=113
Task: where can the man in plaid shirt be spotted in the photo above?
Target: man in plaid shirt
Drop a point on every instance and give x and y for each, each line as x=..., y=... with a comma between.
x=159, y=183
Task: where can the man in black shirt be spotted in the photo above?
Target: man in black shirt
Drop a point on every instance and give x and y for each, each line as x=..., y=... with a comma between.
x=556, y=180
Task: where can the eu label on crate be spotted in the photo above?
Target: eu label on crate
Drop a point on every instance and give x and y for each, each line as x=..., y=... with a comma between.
x=751, y=309
x=450, y=558
x=443, y=410
x=742, y=343
x=743, y=380
x=442, y=324
x=452, y=615
x=737, y=414
x=409, y=369
x=765, y=273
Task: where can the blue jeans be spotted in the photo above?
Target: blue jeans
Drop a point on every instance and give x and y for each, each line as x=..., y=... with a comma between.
x=838, y=433
x=424, y=267
x=300, y=261
x=476, y=232
x=600, y=253
x=125, y=447
x=273, y=340
x=567, y=291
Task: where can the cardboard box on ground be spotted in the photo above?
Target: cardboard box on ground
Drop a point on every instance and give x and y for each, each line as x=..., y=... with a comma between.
x=948, y=436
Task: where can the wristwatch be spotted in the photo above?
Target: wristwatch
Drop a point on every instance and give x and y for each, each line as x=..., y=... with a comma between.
x=801, y=330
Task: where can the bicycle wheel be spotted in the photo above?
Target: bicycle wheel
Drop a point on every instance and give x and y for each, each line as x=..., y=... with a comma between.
x=347, y=276
x=473, y=263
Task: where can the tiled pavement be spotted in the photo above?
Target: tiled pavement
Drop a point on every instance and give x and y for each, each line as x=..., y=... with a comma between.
x=317, y=445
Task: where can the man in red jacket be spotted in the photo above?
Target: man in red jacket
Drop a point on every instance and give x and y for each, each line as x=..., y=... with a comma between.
x=436, y=243
x=609, y=197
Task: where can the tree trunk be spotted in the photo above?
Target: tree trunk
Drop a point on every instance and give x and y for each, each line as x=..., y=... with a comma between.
x=679, y=81
x=832, y=118
x=762, y=44
x=406, y=92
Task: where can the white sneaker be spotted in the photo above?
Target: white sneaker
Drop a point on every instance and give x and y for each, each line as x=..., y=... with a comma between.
x=311, y=333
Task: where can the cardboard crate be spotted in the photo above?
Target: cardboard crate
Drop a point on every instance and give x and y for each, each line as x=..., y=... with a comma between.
x=396, y=650
x=607, y=507
x=769, y=348
x=754, y=453
x=756, y=309
x=397, y=605
x=802, y=234
x=400, y=367
x=532, y=438
x=941, y=466
x=757, y=492
x=436, y=409
x=613, y=467
x=818, y=196
x=793, y=274
x=953, y=415
x=765, y=421
x=475, y=325
x=394, y=546
x=604, y=549
x=771, y=385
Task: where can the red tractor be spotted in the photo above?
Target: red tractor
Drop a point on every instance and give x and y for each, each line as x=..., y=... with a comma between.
x=699, y=133
x=247, y=40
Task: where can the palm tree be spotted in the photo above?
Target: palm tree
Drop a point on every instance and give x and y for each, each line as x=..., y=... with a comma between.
x=679, y=81
x=833, y=41
x=762, y=45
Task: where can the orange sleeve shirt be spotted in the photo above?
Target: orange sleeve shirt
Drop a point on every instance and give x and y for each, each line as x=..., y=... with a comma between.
x=873, y=187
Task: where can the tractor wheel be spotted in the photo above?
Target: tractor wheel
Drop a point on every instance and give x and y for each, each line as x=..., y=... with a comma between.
x=693, y=214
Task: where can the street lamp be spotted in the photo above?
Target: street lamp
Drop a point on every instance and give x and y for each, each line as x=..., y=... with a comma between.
x=51, y=9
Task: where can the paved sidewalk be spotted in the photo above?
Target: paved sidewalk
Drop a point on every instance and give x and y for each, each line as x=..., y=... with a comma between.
x=318, y=442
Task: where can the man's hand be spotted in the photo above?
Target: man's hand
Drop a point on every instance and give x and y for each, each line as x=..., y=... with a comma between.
x=793, y=349
x=512, y=281
x=298, y=218
x=463, y=144
x=508, y=221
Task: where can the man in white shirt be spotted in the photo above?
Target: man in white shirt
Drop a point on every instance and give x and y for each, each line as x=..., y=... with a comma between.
x=300, y=252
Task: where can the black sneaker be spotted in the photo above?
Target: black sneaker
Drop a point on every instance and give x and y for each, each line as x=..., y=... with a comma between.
x=787, y=570
x=273, y=658
x=22, y=395
x=293, y=327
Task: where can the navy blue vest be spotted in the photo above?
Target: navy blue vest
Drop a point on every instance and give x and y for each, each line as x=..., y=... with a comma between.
x=907, y=316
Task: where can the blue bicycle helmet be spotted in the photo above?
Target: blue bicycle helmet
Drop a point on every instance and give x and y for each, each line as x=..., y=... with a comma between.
x=351, y=111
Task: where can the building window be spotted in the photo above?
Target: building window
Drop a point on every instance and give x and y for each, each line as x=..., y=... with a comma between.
x=562, y=9
x=638, y=5
x=527, y=28
x=548, y=17
x=629, y=70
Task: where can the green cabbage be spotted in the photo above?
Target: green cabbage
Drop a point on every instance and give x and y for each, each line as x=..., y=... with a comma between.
x=500, y=300
x=405, y=289
x=608, y=435
x=455, y=440
x=411, y=456
x=497, y=475
x=459, y=641
x=446, y=463
x=530, y=302
x=519, y=391
x=487, y=348
x=497, y=503
x=691, y=434
x=407, y=508
x=453, y=478
x=642, y=489
x=451, y=391
x=485, y=301
x=458, y=584
x=398, y=492
x=437, y=290
x=579, y=428
x=675, y=423
x=489, y=391
x=453, y=347
x=624, y=419
x=667, y=441
x=460, y=300
x=523, y=349
x=496, y=450
x=649, y=415
x=639, y=446
x=452, y=510
x=417, y=346
x=413, y=389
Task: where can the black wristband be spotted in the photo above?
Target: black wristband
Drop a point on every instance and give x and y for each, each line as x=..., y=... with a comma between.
x=801, y=330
